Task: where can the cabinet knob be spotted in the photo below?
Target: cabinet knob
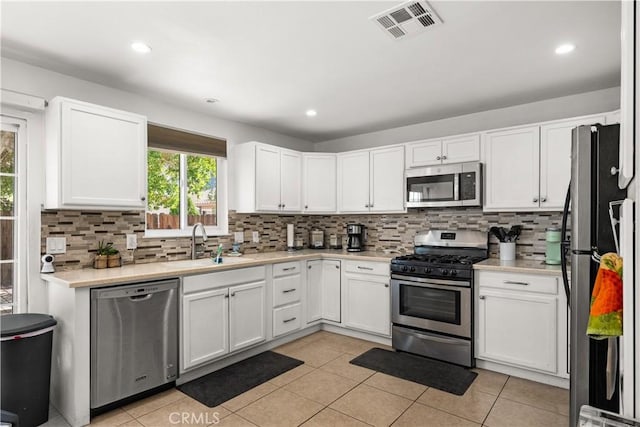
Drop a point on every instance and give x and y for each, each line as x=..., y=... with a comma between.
x=366, y=206
x=306, y=206
x=444, y=157
x=309, y=267
x=283, y=206
x=233, y=294
x=386, y=285
x=371, y=205
x=143, y=198
x=544, y=199
x=481, y=297
x=338, y=267
x=438, y=158
x=535, y=200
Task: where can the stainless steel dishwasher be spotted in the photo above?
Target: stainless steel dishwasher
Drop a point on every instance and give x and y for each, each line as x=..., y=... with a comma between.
x=134, y=339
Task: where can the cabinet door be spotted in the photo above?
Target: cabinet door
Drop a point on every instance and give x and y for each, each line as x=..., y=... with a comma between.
x=314, y=290
x=424, y=153
x=267, y=178
x=555, y=160
x=528, y=339
x=103, y=157
x=367, y=303
x=204, y=326
x=291, y=181
x=320, y=182
x=512, y=166
x=387, y=180
x=353, y=182
x=246, y=315
x=461, y=149
x=331, y=290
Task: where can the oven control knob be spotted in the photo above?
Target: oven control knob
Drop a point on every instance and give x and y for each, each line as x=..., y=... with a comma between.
x=454, y=272
x=427, y=270
x=445, y=272
x=412, y=269
x=404, y=268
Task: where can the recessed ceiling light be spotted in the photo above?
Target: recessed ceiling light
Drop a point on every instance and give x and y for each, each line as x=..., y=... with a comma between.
x=311, y=113
x=563, y=49
x=211, y=100
x=140, y=47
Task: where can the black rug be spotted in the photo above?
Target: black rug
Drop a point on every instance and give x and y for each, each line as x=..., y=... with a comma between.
x=229, y=382
x=433, y=373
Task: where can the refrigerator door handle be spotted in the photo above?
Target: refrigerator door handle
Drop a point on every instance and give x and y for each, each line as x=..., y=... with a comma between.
x=564, y=245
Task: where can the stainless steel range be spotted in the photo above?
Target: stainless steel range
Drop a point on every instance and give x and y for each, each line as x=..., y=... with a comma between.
x=432, y=295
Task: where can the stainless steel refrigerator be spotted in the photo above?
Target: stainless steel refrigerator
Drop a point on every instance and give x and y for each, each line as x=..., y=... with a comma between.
x=594, y=152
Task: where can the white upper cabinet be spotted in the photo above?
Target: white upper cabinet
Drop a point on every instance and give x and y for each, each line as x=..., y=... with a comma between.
x=454, y=149
x=371, y=181
x=319, y=183
x=353, y=181
x=555, y=160
x=96, y=157
x=268, y=178
x=512, y=168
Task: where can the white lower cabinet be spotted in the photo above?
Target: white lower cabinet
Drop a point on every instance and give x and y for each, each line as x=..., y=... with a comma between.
x=366, y=299
x=522, y=321
x=323, y=290
x=221, y=313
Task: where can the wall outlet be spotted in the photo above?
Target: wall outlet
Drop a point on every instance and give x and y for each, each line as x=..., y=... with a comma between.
x=256, y=237
x=132, y=241
x=56, y=245
x=238, y=237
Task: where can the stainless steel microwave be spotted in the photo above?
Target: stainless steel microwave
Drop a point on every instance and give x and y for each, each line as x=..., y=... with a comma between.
x=457, y=184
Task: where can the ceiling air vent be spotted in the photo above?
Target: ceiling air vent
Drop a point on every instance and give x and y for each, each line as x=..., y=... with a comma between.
x=407, y=19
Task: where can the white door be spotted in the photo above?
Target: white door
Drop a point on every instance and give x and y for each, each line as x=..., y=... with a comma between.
x=353, y=182
x=387, y=180
x=291, y=181
x=314, y=290
x=555, y=160
x=331, y=290
x=103, y=157
x=267, y=178
x=512, y=169
x=319, y=182
x=204, y=326
x=424, y=153
x=246, y=315
x=527, y=338
x=461, y=149
x=367, y=303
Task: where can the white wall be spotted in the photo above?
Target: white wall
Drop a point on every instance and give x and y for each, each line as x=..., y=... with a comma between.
x=557, y=108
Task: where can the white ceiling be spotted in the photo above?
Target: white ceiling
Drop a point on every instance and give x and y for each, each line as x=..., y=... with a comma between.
x=268, y=62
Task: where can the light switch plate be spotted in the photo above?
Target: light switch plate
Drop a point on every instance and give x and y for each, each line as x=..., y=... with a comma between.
x=132, y=241
x=256, y=237
x=238, y=237
x=56, y=245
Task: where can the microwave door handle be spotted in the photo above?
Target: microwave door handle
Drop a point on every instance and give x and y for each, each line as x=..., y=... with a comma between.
x=456, y=186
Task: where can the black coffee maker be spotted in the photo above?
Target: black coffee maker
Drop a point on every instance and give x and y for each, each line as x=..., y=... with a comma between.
x=356, y=237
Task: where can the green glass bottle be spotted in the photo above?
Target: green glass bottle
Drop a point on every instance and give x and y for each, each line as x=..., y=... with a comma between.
x=552, y=254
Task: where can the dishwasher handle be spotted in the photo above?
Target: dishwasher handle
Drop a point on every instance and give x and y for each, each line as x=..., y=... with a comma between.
x=143, y=297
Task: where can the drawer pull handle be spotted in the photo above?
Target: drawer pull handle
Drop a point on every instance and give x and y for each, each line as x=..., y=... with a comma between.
x=288, y=269
x=286, y=291
x=289, y=320
x=511, y=282
x=364, y=268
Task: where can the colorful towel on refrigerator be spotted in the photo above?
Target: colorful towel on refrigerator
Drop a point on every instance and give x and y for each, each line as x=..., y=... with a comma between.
x=605, y=317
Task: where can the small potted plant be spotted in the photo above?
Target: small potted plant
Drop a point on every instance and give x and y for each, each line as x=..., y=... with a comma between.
x=101, y=259
x=113, y=256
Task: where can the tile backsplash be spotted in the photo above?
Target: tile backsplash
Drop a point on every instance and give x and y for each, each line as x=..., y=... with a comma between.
x=390, y=233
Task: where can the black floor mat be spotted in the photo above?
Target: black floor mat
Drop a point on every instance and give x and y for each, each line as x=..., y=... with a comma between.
x=227, y=383
x=433, y=373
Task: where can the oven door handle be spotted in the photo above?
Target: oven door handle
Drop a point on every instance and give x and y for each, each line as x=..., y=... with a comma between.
x=434, y=283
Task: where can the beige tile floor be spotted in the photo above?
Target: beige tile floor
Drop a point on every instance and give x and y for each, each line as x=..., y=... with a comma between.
x=328, y=391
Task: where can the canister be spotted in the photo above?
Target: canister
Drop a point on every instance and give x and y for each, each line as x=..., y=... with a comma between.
x=552, y=254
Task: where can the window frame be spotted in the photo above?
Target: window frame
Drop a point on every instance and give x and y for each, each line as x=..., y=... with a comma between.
x=20, y=235
x=222, y=213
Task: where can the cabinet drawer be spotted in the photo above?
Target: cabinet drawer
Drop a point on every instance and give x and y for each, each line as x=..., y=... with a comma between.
x=367, y=267
x=221, y=279
x=286, y=319
x=518, y=282
x=286, y=268
x=286, y=290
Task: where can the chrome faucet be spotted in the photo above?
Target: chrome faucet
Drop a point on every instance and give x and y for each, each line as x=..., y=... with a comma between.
x=193, y=239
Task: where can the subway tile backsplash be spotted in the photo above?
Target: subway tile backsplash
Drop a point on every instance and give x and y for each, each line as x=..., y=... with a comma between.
x=389, y=233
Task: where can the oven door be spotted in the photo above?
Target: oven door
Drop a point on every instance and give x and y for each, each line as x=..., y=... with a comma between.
x=432, y=304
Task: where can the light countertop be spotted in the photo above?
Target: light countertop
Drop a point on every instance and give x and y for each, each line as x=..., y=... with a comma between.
x=518, y=266
x=141, y=272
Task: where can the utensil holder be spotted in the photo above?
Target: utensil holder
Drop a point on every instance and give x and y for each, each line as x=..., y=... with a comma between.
x=507, y=251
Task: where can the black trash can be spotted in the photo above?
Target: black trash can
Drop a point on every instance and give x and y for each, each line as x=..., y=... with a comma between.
x=26, y=366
